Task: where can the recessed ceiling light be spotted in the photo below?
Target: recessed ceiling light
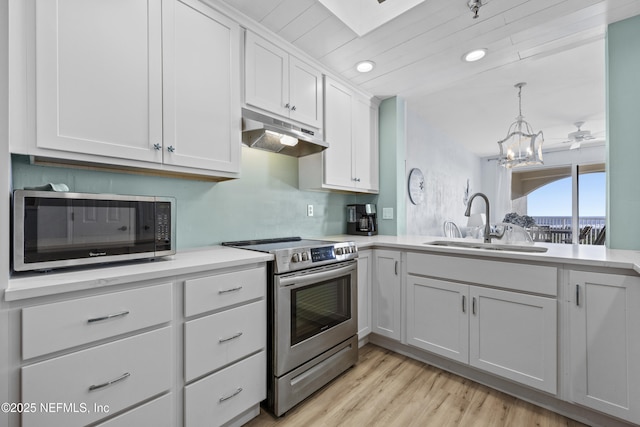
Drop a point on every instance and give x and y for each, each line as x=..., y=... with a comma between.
x=474, y=55
x=365, y=66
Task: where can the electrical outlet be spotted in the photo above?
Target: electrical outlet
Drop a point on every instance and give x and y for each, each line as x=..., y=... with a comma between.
x=309, y=210
x=387, y=213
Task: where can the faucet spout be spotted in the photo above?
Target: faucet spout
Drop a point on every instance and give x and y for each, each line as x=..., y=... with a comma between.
x=487, y=225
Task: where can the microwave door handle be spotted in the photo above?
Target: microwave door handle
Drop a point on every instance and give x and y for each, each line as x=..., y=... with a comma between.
x=299, y=280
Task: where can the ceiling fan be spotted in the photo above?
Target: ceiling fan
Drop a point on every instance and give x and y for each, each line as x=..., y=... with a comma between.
x=576, y=138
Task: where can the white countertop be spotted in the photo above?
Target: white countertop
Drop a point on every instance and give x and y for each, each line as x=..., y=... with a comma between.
x=184, y=262
x=197, y=260
x=583, y=255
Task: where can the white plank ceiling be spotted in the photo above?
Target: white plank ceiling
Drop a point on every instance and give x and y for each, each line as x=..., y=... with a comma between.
x=556, y=46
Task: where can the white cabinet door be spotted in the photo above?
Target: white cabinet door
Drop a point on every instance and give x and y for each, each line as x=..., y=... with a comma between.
x=266, y=75
x=99, y=77
x=437, y=319
x=338, y=133
x=350, y=128
x=365, y=261
x=280, y=83
x=605, y=343
x=305, y=93
x=515, y=336
x=201, y=88
x=365, y=145
x=386, y=293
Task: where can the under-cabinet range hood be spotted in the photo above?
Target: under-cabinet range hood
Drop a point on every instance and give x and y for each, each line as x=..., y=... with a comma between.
x=270, y=134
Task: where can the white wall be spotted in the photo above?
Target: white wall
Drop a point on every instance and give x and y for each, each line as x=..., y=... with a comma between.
x=4, y=212
x=446, y=166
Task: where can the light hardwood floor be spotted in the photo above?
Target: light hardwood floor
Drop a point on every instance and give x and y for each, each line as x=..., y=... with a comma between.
x=388, y=389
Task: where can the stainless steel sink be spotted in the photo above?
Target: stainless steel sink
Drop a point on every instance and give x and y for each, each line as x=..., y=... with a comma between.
x=488, y=246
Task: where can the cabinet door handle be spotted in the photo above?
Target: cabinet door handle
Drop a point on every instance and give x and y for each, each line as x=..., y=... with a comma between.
x=293, y=108
x=396, y=268
x=464, y=304
x=287, y=106
x=473, y=305
x=226, y=291
x=108, y=383
x=578, y=295
x=233, y=337
x=157, y=146
x=235, y=393
x=108, y=316
x=171, y=149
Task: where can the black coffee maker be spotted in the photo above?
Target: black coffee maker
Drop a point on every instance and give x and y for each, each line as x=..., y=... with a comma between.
x=362, y=220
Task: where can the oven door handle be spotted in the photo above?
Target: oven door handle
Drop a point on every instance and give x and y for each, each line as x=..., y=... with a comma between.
x=298, y=280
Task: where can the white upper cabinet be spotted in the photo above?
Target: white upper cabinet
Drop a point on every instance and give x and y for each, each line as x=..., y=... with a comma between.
x=151, y=84
x=99, y=77
x=351, y=129
x=201, y=89
x=281, y=83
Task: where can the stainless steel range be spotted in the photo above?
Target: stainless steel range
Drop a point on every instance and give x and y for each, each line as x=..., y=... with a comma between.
x=312, y=324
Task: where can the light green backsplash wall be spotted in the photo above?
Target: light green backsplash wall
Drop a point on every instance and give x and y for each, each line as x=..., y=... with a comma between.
x=265, y=202
x=623, y=142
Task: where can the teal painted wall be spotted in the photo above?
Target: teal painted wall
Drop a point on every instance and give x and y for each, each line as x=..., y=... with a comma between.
x=623, y=139
x=392, y=166
x=265, y=202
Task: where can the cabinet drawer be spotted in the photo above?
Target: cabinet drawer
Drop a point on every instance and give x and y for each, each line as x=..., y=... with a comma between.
x=508, y=275
x=157, y=413
x=217, y=340
x=218, y=398
x=223, y=290
x=52, y=327
x=83, y=378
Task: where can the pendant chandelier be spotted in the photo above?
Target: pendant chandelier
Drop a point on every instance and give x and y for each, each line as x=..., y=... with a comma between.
x=521, y=146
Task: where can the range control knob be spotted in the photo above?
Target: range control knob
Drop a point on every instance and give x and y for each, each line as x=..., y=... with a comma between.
x=305, y=256
x=295, y=258
x=339, y=251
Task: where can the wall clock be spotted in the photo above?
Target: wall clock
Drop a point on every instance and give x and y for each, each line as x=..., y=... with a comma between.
x=416, y=186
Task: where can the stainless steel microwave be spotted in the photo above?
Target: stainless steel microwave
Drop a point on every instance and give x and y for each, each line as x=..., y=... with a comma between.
x=60, y=229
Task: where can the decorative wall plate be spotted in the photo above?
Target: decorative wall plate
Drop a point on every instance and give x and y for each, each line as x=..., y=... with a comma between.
x=416, y=186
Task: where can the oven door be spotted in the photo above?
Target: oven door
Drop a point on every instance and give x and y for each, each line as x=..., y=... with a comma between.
x=315, y=310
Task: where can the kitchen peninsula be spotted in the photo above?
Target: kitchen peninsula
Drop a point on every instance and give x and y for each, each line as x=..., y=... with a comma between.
x=517, y=322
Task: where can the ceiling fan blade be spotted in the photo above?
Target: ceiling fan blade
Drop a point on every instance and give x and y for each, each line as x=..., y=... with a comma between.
x=575, y=145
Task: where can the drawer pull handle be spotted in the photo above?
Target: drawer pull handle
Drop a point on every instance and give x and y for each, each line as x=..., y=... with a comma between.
x=235, y=393
x=226, y=291
x=107, y=317
x=108, y=383
x=238, y=335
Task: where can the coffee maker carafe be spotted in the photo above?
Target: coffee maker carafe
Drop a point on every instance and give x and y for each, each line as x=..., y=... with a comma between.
x=361, y=220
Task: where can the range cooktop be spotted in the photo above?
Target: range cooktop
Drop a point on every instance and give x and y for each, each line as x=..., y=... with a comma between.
x=295, y=253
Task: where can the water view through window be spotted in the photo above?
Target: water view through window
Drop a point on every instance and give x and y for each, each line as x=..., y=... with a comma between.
x=551, y=205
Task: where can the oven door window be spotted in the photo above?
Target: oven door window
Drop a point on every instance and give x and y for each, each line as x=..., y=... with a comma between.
x=318, y=307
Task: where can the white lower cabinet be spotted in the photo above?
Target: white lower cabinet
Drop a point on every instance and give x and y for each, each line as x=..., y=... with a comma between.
x=157, y=413
x=214, y=341
x=225, y=365
x=99, y=381
x=437, y=318
x=605, y=343
x=515, y=336
x=506, y=333
x=365, y=261
x=386, y=293
x=220, y=397
x=512, y=334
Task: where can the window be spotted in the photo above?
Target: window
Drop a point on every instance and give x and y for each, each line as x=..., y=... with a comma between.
x=563, y=199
